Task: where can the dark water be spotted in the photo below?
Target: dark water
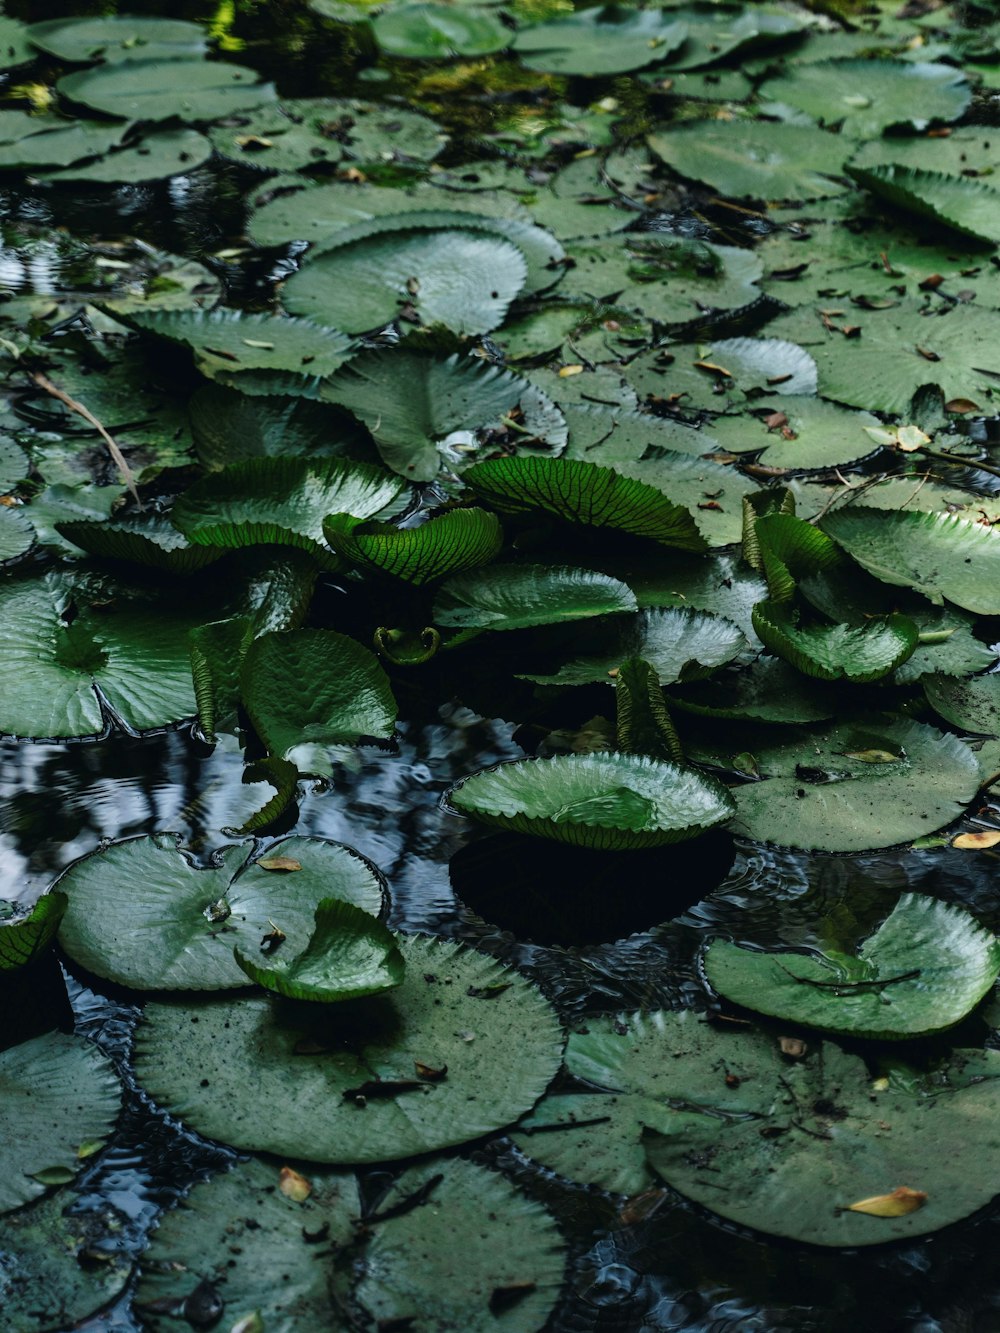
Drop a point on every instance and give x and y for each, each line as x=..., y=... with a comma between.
x=635, y=944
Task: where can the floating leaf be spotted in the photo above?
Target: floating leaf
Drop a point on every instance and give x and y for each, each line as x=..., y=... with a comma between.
x=23, y=939
x=754, y=159
x=926, y=967
x=350, y=954
x=965, y=206
x=57, y=1091
x=457, y=540
x=310, y=689
x=151, y=542
x=310, y=1062
x=506, y=597
x=585, y=494
x=436, y=31
x=836, y=652
x=766, y=691
x=235, y=1231
x=901, y=1201
x=616, y=802
x=609, y=40
x=977, y=842
x=156, y=157
x=866, y=97
x=460, y=1247
x=141, y=913
x=798, y=433
x=118, y=37
x=190, y=90
x=973, y=705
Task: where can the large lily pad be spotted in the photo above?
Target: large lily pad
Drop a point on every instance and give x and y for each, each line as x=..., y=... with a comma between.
x=281, y=500
x=156, y=157
x=317, y=1068
x=473, y=1254
x=82, y=647
x=755, y=159
x=229, y=427
x=939, y=555
x=350, y=954
x=506, y=597
x=58, y=1094
x=766, y=691
x=798, y=433
x=29, y=934
x=966, y=206
x=457, y=540
x=814, y=1145
x=32, y=142
x=681, y=645
x=854, y=786
x=585, y=494
x=609, y=40
x=614, y=802
x=142, y=913
x=234, y=1233
x=836, y=652
x=429, y=31
x=926, y=967
x=118, y=37
x=309, y=689
x=973, y=705
x=865, y=97
x=190, y=90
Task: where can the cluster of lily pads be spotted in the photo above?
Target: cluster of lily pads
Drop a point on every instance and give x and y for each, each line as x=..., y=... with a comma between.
x=525, y=421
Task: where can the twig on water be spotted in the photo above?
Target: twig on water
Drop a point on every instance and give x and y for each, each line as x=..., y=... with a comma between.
x=53, y=390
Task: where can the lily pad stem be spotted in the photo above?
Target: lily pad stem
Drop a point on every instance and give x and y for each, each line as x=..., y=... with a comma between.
x=957, y=458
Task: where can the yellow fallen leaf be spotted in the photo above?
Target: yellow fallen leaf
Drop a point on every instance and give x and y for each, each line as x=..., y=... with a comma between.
x=872, y=756
x=293, y=1186
x=570, y=370
x=977, y=841
x=880, y=1085
x=279, y=863
x=897, y=1204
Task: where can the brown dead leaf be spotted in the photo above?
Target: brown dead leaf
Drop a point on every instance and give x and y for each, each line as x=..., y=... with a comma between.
x=961, y=406
x=279, y=863
x=293, y=1186
x=775, y=420
x=895, y=1204
x=971, y=842
x=429, y=1072
x=794, y=1047
x=713, y=369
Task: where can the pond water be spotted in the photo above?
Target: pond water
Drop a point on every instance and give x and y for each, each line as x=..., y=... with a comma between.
x=659, y=1263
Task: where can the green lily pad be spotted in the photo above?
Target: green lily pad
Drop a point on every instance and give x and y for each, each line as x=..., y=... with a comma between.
x=798, y=433
x=17, y=536
x=118, y=37
x=973, y=705
x=474, y=1254
x=15, y=44
x=24, y=938
x=939, y=555
x=836, y=652
x=234, y=1232
x=711, y=492
x=766, y=691
x=317, y=1068
x=230, y=427
x=58, y=1093
x=461, y=280
x=755, y=159
x=60, y=1264
x=814, y=1144
x=717, y=32
x=190, y=90
x=433, y=31
x=926, y=967
x=281, y=500
x=965, y=206
x=157, y=157
x=865, y=97
x=32, y=141
x=680, y=645
x=612, y=802
x=75, y=637
x=457, y=540
x=234, y=342
x=584, y=494
x=611, y=39
x=309, y=689
x=506, y=597
x=144, y=541
x=141, y=913
x=816, y=793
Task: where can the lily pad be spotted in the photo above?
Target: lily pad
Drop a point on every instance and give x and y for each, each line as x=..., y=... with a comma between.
x=836, y=652
x=506, y=597
x=349, y=955
x=584, y=494
x=611, y=802
x=156, y=157
x=230, y=427
x=118, y=37
x=317, y=1068
x=151, y=542
x=281, y=500
x=309, y=689
x=234, y=1232
x=15, y=45
x=939, y=555
x=474, y=1253
x=680, y=645
x=597, y=42
x=813, y=1148
x=143, y=914
x=973, y=705
x=17, y=536
x=755, y=159
x=43, y=141
x=457, y=540
x=24, y=938
x=193, y=91
x=766, y=691
x=435, y=31
x=818, y=794
x=78, y=638
x=798, y=433
x=865, y=97
x=461, y=280
x=926, y=967
x=59, y=1093
x=965, y=206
